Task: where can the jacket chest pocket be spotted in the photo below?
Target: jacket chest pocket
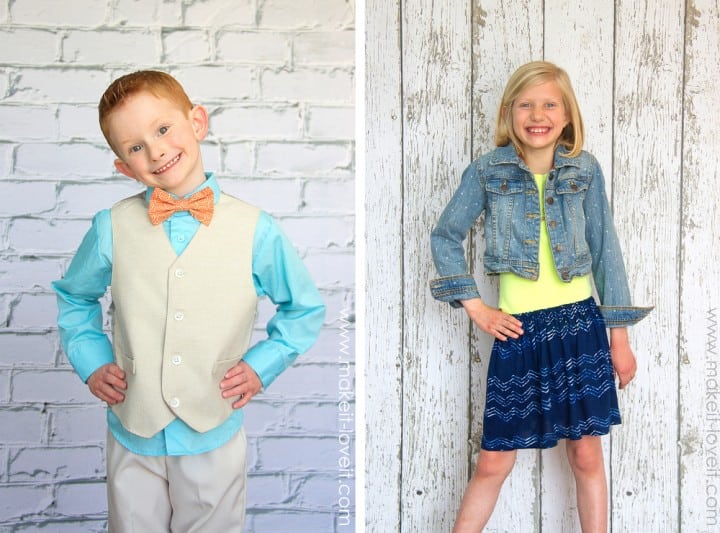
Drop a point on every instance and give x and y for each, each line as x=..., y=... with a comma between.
x=571, y=195
x=505, y=199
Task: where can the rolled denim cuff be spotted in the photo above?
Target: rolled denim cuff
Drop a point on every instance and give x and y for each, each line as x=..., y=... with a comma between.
x=452, y=289
x=623, y=316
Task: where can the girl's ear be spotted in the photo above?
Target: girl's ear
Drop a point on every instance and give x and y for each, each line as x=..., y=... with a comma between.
x=123, y=168
x=200, y=122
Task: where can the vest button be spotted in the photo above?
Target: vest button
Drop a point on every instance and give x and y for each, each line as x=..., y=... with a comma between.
x=179, y=273
x=179, y=316
x=176, y=359
x=175, y=403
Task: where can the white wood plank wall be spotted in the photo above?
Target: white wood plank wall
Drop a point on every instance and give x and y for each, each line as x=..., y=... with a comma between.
x=645, y=73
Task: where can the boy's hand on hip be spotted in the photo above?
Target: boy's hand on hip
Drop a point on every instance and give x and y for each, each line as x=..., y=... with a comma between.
x=241, y=381
x=108, y=383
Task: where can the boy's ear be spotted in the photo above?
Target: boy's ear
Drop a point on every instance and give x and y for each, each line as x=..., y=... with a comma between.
x=123, y=168
x=200, y=122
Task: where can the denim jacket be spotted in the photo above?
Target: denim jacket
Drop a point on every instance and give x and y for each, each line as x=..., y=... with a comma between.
x=579, y=223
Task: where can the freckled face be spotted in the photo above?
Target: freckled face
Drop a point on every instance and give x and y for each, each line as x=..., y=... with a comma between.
x=538, y=118
x=158, y=144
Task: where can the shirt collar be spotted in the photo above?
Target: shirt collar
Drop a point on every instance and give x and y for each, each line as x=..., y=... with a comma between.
x=210, y=181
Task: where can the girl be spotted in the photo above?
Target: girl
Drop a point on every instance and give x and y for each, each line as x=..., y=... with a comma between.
x=547, y=227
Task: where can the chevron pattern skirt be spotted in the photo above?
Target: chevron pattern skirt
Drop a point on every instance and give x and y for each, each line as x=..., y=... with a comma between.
x=555, y=382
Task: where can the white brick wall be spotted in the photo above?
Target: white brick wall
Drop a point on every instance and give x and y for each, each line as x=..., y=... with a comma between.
x=277, y=78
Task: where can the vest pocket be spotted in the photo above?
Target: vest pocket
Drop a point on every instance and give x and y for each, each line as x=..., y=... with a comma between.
x=126, y=362
x=223, y=365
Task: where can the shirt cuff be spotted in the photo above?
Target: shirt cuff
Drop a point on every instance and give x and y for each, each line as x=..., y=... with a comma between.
x=89, y=355
x=268, y=361
x=452, y=289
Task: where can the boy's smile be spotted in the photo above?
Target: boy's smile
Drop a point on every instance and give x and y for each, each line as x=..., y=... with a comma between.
x=538, y=118
x=158, y=143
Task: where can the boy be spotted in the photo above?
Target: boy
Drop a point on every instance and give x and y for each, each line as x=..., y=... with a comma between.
x=187, y=264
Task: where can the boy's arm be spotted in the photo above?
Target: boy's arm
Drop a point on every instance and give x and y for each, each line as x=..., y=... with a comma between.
x=279, y=273
x=80, y=319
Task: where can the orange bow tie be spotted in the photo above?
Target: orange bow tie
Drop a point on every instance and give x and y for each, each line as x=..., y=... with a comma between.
x=162, y=206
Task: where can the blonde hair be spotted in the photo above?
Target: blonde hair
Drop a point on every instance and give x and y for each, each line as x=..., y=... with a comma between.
x=535, y=73
x=159, y=84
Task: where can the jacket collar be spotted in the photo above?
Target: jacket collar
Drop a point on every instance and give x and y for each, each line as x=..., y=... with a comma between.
x=503, y=155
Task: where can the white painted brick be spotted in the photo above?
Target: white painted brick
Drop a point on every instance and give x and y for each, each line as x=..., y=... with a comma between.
x=54, y=464
x=44, y=525
x=28, y=274
x=21, y=426
x=185, y=46
x=58, y=14
x=207, y=84
x=211, y=156
x=81, y=499
x=79, y=122
x=131, y=48
x=220, y=13
x=328, y=348
x=62, y=161
x=274, y=196
x=308, y=381
x=26, y=123
x=19, y=501
x=6, y=157
x=329, y=196
x=26, y=350
x=4, y=82
x=3, y=12
x=318, y=492
x=28, y=46
x=257, y=122
x=336, y=302
x=238, y=159
x=27, y=235
x=58, y=85
x=254, y=47
x=332, y=269
x=297, y=14
x=310, y=522
x=331, y=122
x=267, y=490
x=285, y=454
x=319, y=232
x=316, y=418
x=324, y=48
x=88, y=199
x=303, y=159
x=262, y=417
x=307, y=85
x=35, y=311
x=4, y=386
x=78, y=425
x=145, y=13
x=26, y=198
x=57, y=386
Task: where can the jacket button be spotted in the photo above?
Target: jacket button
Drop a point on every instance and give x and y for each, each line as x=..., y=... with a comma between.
x=558, y=248
x=503, y=187
x=552, y=224
x=565, y=275
x=550, y=200
x=573, y=186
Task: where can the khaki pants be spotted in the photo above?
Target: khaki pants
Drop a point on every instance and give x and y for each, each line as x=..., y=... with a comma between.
x=179, y=494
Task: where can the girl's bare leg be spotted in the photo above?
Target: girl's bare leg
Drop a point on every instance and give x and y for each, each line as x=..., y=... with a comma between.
x=483, y=490
x=586, y=460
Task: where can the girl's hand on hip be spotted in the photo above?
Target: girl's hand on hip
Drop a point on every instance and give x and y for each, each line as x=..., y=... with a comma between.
x=108, y=383
x=491, y=320
x=241, y=381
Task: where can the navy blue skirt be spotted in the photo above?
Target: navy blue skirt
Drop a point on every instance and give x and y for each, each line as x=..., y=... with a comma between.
x=555, y=382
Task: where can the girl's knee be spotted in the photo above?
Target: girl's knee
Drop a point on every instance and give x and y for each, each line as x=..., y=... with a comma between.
x=495, y=464
x=585, y=455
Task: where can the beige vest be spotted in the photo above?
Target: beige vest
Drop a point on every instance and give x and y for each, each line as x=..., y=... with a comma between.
x=180, y=322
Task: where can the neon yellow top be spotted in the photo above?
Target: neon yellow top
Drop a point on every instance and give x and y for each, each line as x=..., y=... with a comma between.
x=520, y=295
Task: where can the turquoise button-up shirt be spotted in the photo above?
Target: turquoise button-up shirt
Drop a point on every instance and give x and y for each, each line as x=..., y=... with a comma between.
x=277, y=273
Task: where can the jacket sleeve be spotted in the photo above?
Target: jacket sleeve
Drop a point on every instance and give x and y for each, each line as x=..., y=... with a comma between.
x=608, y=268
x=467, y=204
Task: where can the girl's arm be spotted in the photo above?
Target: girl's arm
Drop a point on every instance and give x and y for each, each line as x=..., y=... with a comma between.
x=623, y=359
